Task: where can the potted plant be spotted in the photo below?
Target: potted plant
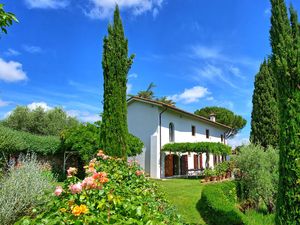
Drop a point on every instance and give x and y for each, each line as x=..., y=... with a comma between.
x=218, y=171
x=207, y=174
x=213, y=176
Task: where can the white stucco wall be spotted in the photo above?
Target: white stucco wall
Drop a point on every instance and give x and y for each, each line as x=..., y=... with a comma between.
x=183, y=133
x=143, y=123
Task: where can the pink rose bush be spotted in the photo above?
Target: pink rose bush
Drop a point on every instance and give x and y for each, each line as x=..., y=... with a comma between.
x=113, y=192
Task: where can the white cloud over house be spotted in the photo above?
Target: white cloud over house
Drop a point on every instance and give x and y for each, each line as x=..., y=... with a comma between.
x=11, y=71
x=102, y=9
x=47, y=4
x=190, y=95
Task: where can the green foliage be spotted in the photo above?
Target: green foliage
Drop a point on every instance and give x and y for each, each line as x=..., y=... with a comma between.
x=12, y=141
x=203, y=147
x=6, y=19
x=116, y=64
x=285, y=42
x=165, y=100
x=224, y=116
x=84, y=138
x=265, y=112
x=258, y=175
x=117, y=193
x=148, y=93
x=22, y=189
x=217, y=204
x=135, y=145
x=39, y=121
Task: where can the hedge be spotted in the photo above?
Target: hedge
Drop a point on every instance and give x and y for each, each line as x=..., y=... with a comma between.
x=12, y=141
x=201, y=147
x=217, y=204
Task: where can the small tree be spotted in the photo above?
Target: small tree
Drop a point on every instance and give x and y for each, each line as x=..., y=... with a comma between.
x=265, y=115
x=116, y=64
x=258, y=175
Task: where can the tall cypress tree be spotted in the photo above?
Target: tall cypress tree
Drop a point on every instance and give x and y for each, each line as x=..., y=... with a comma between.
x=265, y=117
x=285, y=60
x=115, y=64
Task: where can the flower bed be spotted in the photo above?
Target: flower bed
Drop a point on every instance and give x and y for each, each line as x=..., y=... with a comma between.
x=113, y=192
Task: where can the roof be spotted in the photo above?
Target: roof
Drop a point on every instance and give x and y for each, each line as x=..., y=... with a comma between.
x=175, y=109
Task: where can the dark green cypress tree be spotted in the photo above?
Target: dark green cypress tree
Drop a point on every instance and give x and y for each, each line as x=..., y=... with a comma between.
x=115, y=64
x=285, y=61
x=265, y=117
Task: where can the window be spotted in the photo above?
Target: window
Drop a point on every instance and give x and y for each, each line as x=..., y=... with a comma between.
x=207, y=133
x=222, y=138
x=193, y=130
x=171, y=132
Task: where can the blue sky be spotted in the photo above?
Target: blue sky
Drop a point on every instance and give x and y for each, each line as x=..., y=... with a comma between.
x=199, y=53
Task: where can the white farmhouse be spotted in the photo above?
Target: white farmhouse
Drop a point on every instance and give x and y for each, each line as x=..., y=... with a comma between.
x=157, y=124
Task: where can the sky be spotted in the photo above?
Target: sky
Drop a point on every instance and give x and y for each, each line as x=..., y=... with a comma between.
x=198, y=53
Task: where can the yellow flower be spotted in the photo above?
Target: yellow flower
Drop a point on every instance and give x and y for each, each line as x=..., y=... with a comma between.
x=77, y=210
x=84, y=209
x=63, y=210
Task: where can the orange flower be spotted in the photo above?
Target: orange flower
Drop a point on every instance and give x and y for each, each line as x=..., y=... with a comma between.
x=77, y=210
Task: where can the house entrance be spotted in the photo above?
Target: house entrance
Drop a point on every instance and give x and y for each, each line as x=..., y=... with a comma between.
x=171, y=165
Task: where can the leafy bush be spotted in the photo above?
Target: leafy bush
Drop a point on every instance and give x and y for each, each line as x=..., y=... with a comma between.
x=23, y=188
x=135, y=145
x=39, y=121
x=85, y=138
x=258, y=175
x=210, y=147
x=217, y=204
x=12, y=141
x=112, y=193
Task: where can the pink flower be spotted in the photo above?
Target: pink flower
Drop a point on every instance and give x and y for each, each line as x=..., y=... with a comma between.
x=71, y=171
x=58, y=191
x=139, y=172
x=89, y=183
x=75, y=188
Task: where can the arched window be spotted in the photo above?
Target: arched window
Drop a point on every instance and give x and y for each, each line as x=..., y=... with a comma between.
x=171, y=132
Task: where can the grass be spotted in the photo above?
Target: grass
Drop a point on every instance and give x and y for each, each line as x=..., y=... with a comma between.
x=184, y=194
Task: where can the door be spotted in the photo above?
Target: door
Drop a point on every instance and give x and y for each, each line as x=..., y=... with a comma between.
x=196, y=162
x=168, y=165
x=184, y=164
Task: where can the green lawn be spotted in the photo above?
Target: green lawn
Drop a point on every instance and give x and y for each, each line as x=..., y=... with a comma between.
x=184, y=195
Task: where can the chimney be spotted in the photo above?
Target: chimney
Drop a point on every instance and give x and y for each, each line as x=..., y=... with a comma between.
x=212, y=117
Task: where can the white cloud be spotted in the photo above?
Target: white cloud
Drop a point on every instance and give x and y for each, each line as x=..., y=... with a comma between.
x=211, y=98
x=32, y=49
x=12, y=52
x=3, y=103
x=190, y=95
x=132, y=75
x=102, y=9
x=84, y=116
x=35, y=105
x=235, y=71
x=47, y=4
x=205, y=52
x=213, y=74
x=237, y=140
x=129, y=88
x=11, y=71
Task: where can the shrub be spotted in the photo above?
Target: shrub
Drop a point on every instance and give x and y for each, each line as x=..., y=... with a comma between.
x=23, y=188
x=217, y=204
x=112, y=193
x=12, y=141
x=258, y=175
